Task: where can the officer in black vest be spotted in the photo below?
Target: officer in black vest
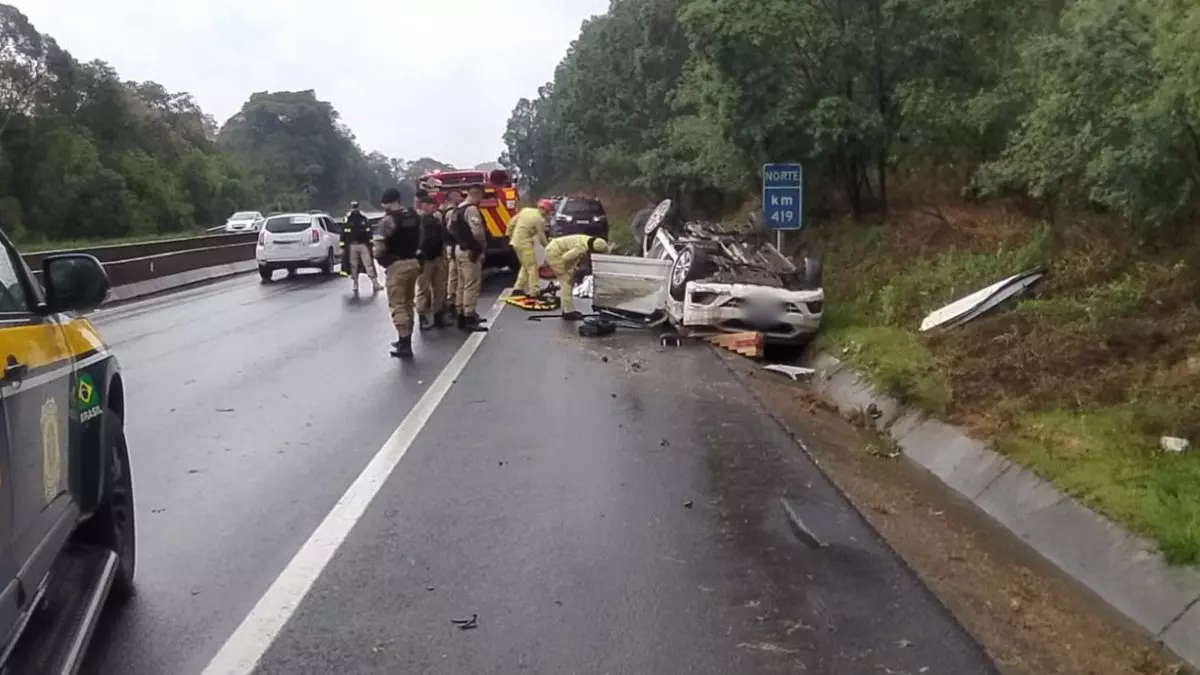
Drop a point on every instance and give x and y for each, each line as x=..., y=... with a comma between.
x=398, y=250
x=470, y=236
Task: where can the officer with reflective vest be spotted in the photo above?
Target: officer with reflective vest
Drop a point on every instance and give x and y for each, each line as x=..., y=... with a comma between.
x=470, y=236
x=398, y=250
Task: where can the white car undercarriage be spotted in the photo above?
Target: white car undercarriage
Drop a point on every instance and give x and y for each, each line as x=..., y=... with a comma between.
x=710, y=278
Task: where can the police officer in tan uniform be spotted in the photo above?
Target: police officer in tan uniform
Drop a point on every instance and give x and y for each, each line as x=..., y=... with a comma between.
x=470, y=235
x=453, y=199
x=398, y=250
x=431, y=287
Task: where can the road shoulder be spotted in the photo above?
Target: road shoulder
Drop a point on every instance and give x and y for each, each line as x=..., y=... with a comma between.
x=1028, y=616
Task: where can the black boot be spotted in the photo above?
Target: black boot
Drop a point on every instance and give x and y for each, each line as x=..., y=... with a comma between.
x=469, y=322
x=518, y=293
x=426, y=322
x=439, y=320
x=403, y=348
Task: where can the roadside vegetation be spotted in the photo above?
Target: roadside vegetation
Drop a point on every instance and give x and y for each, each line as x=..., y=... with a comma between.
x=87, y=157
x=947, y=145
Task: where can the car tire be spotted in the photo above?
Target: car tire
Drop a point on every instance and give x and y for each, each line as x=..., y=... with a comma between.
x=266, y=274
x=691, y=264
x=812, y=273
x=113, y=525
x=327, y=266
x=664, y=213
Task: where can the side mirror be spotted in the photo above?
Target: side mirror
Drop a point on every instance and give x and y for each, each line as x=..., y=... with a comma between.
x=75, y=282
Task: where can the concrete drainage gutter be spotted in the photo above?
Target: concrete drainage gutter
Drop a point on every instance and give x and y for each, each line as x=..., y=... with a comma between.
x=1122, y=569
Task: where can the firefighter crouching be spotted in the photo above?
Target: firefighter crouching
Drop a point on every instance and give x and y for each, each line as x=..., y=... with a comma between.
x=398, y=250
x=470, y=238
x=356, y=247
x=431, y=287
x=453, y=199
x=527, y=229
x=564, y=255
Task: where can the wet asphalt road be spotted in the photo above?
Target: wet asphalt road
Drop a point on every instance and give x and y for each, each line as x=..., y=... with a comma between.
x=603, y=506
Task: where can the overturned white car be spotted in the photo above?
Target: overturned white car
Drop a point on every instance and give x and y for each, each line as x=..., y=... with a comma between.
x=713, y=278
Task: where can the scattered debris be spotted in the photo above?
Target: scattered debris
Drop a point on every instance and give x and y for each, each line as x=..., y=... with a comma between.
x=891, y=453
x=794, y=372
x=969, y=308
x=595, y=326
x=586, y=288
x=688, y=504
x=749, y=343
x=799, y=529
x=1174, y=444
x=224, y=410
x=467, y=624
x=559, y=603
x=664, y=443
x=767, y=647
x=603, y=359
x=430, y=588
x=874, y=412
x=669, y=340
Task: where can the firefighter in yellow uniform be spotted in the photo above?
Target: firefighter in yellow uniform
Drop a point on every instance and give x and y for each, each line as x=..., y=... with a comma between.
x=524, y=231
x=453, y=199
x=470, y=243
x=431, y=287
x=564, y=255
x=398, y=250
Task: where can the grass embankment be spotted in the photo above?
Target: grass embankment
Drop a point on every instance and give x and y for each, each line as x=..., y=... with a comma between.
x=1077, y=382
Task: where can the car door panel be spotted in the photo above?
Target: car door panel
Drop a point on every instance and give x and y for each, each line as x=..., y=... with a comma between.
x=10, y=587
x=36, y=388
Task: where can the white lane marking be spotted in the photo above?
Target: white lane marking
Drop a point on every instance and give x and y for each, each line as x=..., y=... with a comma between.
x=242, y=651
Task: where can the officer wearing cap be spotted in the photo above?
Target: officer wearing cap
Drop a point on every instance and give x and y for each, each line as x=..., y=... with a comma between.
x=398, y=250
x=470, y=238
x=453, y=199
x=356, y=245
x=431, y=287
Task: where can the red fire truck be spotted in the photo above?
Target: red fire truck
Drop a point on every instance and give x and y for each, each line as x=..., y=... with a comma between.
x=499, y=205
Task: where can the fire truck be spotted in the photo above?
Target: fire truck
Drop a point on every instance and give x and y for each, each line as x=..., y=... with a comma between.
x=499, y=205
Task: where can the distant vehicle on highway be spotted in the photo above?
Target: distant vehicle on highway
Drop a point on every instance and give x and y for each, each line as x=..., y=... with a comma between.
x=292, y=241
x=579, y=215
x=68, y=520
x=244, y=221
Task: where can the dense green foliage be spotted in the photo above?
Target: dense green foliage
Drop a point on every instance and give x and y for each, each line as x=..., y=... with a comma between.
x=86, y=155
x=1092, y=103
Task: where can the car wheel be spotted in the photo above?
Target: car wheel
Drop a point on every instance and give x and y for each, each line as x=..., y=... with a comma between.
x=327, y=266
x=266, y=274
x=812, y=273
x=691, y=264
x=662, y=214
x=112, y=526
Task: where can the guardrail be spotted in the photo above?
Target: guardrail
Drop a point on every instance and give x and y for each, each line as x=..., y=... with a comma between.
x=133, y=263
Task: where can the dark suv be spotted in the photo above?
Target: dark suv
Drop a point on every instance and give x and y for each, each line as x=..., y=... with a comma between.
x=578, y=215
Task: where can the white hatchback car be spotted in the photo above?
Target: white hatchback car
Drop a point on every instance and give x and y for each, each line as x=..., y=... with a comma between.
x=292, y=241
x=244, y=221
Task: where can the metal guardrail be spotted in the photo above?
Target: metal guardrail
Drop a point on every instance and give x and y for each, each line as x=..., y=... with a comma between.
x=131, y=263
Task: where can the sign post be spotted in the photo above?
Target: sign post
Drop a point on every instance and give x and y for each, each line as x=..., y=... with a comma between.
x=783, y=198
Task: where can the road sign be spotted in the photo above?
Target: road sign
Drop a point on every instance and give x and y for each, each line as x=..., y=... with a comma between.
x=783, y=196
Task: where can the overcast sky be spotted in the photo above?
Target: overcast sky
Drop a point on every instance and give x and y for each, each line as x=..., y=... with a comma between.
x=411, y=78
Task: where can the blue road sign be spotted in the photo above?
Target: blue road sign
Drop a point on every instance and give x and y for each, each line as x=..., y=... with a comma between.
x=783, y=196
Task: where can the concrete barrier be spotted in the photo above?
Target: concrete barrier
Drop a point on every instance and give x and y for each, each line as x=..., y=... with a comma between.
x=115, y=252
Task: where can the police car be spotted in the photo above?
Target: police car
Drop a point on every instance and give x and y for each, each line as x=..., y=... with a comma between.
x=67, y=534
